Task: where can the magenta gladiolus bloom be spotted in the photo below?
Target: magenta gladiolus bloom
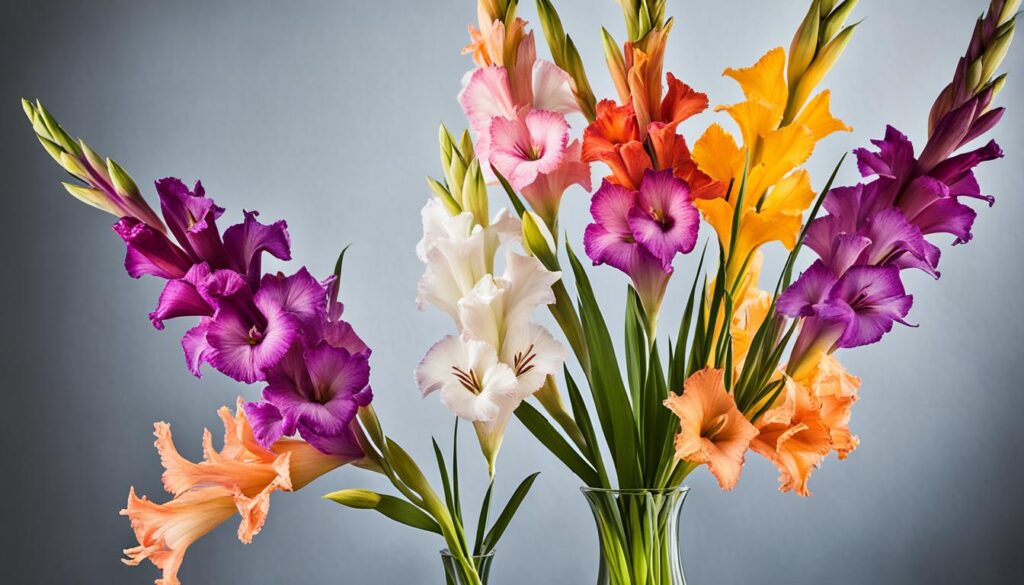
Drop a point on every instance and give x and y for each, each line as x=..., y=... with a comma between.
x=640, y=232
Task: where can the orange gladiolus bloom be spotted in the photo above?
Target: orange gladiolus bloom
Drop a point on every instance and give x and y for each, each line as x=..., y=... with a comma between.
x=238, y=479
x=618, y=136
x=711, y=429
x=777, y=192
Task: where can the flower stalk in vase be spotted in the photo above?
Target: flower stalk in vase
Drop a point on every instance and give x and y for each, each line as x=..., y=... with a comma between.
x=284, y=332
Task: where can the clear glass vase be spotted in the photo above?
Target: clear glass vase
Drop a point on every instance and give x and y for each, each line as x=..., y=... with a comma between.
x=638, y=531
x=455, y=572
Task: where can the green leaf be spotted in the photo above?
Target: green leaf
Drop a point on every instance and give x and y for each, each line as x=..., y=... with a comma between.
x=546, y=433
x=449, y=498
x=581, y=414
x=397, y=509
x=517, y=203
x=481, y=525
x=606, y=385
x=455, y=472
x=636, y=350
x=492, y=538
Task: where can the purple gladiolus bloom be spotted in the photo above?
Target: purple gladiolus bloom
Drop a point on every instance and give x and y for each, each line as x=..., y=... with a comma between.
x=319, y=389
x=249, y=333
x=150, y=251
x=855, y=309
x=191, y=217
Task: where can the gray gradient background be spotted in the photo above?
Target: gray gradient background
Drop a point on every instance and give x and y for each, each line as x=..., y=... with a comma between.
x=325, y=113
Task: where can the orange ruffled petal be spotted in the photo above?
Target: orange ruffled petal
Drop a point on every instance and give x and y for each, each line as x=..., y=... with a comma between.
x=793, y=437
x=711, y=429
x=238, y=479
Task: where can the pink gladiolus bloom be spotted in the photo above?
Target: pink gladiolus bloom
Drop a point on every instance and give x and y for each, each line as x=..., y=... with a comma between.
x=523, y=148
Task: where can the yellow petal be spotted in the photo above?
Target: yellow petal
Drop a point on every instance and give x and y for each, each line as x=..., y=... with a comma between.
x=718, y=213
x=781, y=151
x=764, y=81
x=755, y=119
x=791, y=195
x=817, y=117
x=717, y=154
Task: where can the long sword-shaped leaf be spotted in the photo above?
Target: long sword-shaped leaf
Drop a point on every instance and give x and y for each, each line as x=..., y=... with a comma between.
x=494, y=535
x=541, y=428
x=606, y=385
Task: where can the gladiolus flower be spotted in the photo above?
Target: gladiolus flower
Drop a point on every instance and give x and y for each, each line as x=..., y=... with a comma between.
x=793, y=436
x=711, y=429
x=458, y=253
x=472, y=382
x=616, y=138
x=775, y=196
x=238, y=479
x=545, y=193
x=640, y=232
x=527, y=146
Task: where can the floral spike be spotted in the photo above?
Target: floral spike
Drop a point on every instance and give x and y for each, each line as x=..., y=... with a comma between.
x=109, y=187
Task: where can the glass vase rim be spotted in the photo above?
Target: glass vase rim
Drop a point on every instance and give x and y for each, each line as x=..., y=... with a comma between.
x=447, y=553
x=682, y=489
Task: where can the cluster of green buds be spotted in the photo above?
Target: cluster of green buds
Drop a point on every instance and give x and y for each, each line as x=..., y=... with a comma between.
x=990, y=42
x=642, y=16
x=463, y=187
x=816, y=46
x=107, y=186
x=567, y=57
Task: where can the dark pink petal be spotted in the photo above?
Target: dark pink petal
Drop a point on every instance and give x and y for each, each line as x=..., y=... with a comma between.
x=948, y=134
x=245, y=242
x=299, y=294
x=266, y=422
x=243, y=349
x=664, y=219
x=150, y=252
x=197, y=350
x=928, y=204
x=983, y=124
x=191, y=217
x=892, y=236
x=813, y=287
x=341, y=334
x=955, y=168
x=877, y=299
x=613, y=249
x=341, y=445
x=181, y=298
x=610, y=207
x=894, y=159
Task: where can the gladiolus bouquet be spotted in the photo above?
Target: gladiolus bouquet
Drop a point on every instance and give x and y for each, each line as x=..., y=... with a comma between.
x=748, y=368
x=751, y=366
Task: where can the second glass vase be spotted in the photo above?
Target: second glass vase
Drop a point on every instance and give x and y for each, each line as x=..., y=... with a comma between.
x=638, y=531
x=456, y=574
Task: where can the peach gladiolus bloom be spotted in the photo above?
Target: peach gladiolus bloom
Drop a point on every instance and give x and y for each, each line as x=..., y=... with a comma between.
x=711, y=429
x=836, y=389
x=793, y=437
x=777, y=190
x=236, y=480
x=810, y=419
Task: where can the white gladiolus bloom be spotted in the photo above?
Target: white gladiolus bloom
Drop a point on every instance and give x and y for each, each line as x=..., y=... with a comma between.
x=473, y=384
x=458, y=253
